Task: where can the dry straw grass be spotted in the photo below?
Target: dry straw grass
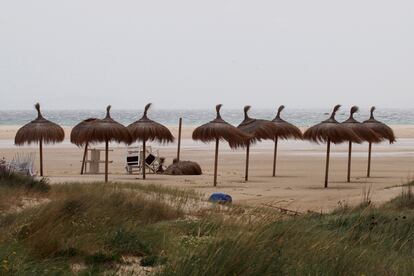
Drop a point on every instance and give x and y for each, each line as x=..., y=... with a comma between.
x=100, y=226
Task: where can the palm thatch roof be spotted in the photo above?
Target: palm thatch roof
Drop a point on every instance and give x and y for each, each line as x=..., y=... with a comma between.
x=220, y=129
x=285, y=130
x=39, y=129
x=105, y=130
x=82, y=133
x=383, y=131
x=360, y=129
x=331, y=130
x=146, y=129
x=256, y=128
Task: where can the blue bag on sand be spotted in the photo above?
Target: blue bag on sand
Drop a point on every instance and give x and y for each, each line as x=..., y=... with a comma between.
x=220, y=198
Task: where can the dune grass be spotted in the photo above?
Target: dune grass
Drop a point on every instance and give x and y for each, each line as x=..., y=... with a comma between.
x=14, y=187
x=96, y=225
x=93, y=224
x=12, y=180
x=368, y=243
x=351, y=241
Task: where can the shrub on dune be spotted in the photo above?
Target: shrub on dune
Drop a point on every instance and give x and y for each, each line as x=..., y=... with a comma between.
x=10, y=179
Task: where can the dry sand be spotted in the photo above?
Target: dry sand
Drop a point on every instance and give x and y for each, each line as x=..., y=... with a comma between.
x=298, y=186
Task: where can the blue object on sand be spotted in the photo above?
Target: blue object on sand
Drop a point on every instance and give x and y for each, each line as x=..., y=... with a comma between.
x=220, y=198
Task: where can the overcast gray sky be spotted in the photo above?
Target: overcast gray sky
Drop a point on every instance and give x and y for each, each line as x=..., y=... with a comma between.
x=194, y=54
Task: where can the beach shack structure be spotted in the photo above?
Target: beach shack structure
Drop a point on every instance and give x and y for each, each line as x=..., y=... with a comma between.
x=41, y=131
x=145, y=130
x=382, y=130
x=284, y=131
x=258, y=130
x=364, y=133
x=330, y=131
x=217, y=130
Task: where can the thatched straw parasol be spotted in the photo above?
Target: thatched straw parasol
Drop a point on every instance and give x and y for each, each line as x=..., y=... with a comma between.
x=103, y=131
x=217, y=130
x=258, y=130
x=383, y=131
x=82, y=133
x=284, y=130
x=330, y=131
x=145, y=130
x=39, y=131
x=360, y=129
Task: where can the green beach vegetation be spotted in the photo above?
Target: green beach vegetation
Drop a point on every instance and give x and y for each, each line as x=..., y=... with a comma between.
x=119, y=228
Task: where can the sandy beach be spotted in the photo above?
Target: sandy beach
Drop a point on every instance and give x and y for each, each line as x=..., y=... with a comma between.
x=298, y=186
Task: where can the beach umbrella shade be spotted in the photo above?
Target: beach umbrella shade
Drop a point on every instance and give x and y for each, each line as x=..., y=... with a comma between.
x=364, y=133
x=258, y=130
x=103, y=131
x=330, y=131
x=285, y=131
x=145, y=130
x=81, y=134
x=217, y=130
x=40, y=131
x=382, y=130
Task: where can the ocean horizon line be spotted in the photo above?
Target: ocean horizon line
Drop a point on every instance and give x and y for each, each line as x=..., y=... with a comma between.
x=192, y=117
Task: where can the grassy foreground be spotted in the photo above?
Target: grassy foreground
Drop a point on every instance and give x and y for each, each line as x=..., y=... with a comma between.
x=130, y=229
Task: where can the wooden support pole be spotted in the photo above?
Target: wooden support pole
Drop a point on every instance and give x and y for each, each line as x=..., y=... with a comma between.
x=179, y=138
x=348, y=179
x=246, y=175
x=369, y=160
x=275, y=156
x=216, y=162
x=328, y=152
x=41, y=156
x=85, y=153
x=143, y=159
x=106, y=160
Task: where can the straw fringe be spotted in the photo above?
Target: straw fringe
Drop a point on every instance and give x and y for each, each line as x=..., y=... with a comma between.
x=149, y=130
x=360, y=129
x=257, y=129
x=39, y=129
x=83, y=132
x=284, y=129
x=99, y=131
x=331, y=130
x=381, y=129
x=220, y=129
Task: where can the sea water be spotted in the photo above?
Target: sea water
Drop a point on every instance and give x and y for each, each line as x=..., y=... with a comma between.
x=193, y=117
